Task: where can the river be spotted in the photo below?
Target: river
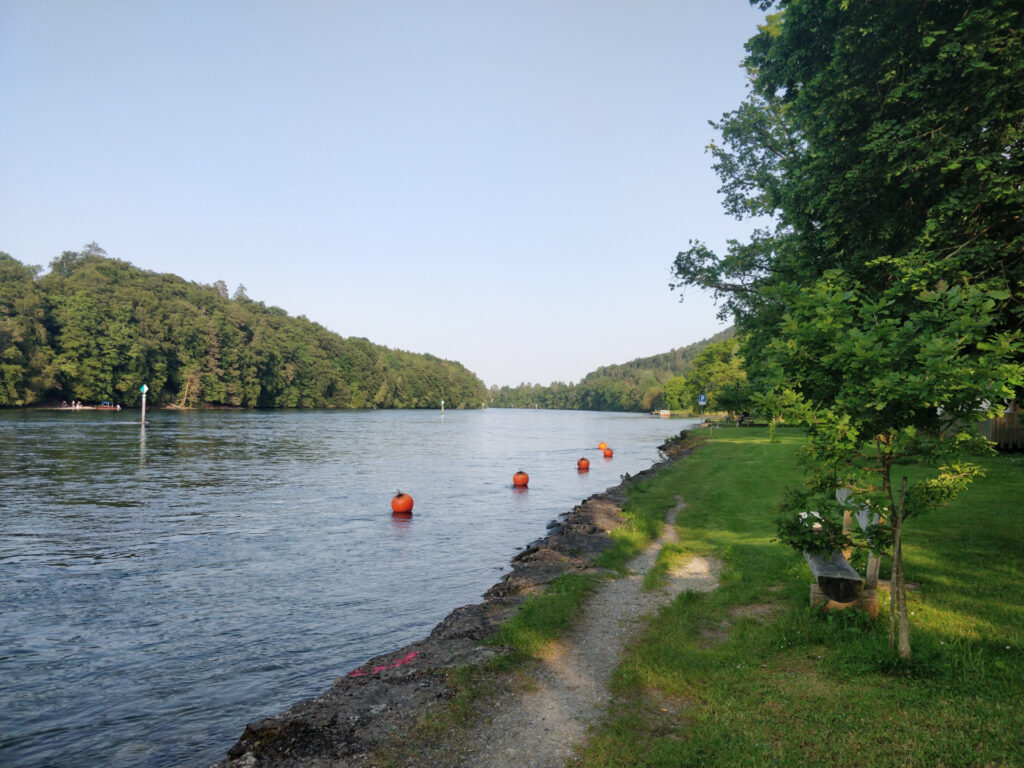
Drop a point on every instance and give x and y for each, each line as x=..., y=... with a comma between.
x=162, y=587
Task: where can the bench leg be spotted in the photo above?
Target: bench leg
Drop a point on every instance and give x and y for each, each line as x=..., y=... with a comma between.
x=866, y=601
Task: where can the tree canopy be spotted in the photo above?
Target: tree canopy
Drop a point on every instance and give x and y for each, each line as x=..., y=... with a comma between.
x=717, y=374
x=96, y=328
x=880, y=153
x=881, y=140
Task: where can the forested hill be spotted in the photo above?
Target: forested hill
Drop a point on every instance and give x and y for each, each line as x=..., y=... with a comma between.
x=96, y=328
x=633, y=386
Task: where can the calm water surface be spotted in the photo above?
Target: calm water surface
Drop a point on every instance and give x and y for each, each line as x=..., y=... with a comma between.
x=160, y=588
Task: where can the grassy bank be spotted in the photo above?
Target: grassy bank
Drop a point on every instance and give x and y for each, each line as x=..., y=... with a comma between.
x=750, y=676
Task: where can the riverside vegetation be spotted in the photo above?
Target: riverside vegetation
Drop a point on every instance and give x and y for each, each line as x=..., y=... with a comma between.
x=749, y=675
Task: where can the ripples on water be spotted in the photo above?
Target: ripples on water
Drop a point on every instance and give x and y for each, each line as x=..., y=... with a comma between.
x=160, y=588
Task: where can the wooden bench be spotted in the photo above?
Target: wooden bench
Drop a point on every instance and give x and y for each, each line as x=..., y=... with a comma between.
x=838, y=586
x=835, y=577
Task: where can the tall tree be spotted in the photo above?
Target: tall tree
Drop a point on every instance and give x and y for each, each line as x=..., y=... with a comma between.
x=717, y=370
x=881, y=150
x=26, y=358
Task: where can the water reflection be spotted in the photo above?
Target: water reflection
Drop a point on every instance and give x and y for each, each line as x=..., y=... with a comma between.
x=401, y=521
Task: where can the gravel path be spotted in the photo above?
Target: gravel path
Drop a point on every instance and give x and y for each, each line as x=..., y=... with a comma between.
x=539, y=726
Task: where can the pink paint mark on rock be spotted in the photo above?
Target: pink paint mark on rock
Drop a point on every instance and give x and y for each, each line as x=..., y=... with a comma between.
x=377, y=670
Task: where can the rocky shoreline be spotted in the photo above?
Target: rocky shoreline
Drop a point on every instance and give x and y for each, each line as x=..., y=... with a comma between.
x=383, y=698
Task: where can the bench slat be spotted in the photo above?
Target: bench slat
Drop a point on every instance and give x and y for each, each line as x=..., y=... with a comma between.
x=835, y=576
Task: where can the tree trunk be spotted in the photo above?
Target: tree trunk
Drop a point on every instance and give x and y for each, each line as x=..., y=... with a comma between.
x=896, y=560
x=847, y=524
x=871, y=574
x=903, y=620
x=184, y=395
x=192, y=387
x=874, y=564
x=897, y=563
x=900, y=586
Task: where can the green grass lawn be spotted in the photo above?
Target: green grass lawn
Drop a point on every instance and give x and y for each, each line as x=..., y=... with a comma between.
x=750, y=676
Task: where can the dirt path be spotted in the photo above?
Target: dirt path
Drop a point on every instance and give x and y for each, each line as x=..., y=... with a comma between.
x=539, y=726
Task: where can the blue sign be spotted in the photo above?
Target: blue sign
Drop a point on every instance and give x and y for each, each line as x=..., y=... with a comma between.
x=702, y=399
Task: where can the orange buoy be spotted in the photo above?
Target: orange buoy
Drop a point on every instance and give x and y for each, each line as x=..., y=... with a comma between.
x=401, y=504
x=520, y=479
x=583, y=464
x=602, y=446
x=608, y=453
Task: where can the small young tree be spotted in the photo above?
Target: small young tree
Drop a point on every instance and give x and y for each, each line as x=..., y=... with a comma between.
x=906, y=384
x=773, y=402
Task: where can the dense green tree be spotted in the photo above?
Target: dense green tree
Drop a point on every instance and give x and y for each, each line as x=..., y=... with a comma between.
x=26, y=358
x=95, y=328
x=653, y=399
x=735, y=397
x=882, y=143
x=877, y=139
x=675, y=394
x=716, y=370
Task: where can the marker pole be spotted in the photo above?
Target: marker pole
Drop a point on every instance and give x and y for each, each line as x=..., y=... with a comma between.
x=143, y=389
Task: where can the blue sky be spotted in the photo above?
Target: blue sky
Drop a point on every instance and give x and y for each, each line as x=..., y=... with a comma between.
x=500, y=183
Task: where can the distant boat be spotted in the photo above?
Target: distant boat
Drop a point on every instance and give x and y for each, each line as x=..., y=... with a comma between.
x=665, y=414
x=76, y=405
